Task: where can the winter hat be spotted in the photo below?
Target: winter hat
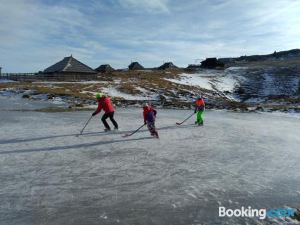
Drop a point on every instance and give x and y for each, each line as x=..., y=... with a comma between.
x=99, y=95
x=145, y=105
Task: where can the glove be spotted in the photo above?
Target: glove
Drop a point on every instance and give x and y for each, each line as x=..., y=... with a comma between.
x=145, y=123
x=94, y=114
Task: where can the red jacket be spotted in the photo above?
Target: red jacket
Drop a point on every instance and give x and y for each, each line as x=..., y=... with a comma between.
x=105, y=104
x=200, y=102
x=199, y=105
x=149, y=114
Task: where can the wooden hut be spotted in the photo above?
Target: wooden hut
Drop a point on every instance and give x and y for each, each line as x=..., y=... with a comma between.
x=106, y=68
x=69, y=69
x=135, y=66
x=167, y=65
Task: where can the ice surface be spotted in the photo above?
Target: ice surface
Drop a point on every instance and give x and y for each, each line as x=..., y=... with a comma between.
x=50, y=176
x=15, y=102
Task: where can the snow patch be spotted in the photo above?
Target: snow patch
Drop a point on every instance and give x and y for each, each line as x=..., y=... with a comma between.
x=222, y=82
x=113, y=92
x=193, y=80
x=211, y=80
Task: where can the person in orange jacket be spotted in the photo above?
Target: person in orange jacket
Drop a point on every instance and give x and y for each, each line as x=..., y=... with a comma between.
x=104, y=103
x=149, y=118
x=199, y=109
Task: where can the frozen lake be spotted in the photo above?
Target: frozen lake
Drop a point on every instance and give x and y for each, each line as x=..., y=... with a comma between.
x=50, y=176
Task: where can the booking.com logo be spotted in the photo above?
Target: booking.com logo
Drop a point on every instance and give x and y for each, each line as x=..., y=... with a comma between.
x=259, y=213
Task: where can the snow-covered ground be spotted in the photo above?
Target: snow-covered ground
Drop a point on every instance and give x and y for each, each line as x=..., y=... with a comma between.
x=284, y=84
x=245, y=84
x=50, y=176
x=194, y=80
x=113, y=92
x=223, y=82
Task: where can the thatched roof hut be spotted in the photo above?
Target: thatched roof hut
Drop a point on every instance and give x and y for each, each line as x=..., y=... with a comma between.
x=67, y=65
x=135, y=66
x=105, y=68
x=69, y=68
x=167, y=65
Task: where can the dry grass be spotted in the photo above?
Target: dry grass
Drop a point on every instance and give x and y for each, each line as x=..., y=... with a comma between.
x=58, y=89
x=154, y=82
x=268, y=63
x=129, y=82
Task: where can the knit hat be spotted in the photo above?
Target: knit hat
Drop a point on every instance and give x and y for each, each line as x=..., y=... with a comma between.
x=99, y=95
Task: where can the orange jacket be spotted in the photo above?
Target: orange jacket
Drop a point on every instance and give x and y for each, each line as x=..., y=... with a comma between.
x=199, y=105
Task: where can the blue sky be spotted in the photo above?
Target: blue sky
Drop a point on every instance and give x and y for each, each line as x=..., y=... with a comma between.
x=34, y=34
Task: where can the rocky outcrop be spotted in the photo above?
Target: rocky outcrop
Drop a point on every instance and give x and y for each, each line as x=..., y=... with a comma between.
x=211, y=63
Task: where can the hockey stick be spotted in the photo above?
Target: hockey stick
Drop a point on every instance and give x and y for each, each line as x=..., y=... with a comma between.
x=186, y=119
x=85, y=125
x=127, y=135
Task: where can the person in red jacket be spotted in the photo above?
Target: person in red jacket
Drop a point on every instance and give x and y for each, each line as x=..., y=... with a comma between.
x=149, y=118
x=199, y=109
x=105, y=104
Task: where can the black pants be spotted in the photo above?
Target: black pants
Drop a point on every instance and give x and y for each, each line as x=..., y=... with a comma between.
x=111, y=117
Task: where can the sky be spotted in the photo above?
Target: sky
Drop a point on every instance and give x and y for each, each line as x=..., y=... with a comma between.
x=35, y=34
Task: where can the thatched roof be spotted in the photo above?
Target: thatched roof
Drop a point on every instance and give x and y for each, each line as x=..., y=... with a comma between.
x=167, y=65
x=135, y=66
x=104, y=68
x=69, y=64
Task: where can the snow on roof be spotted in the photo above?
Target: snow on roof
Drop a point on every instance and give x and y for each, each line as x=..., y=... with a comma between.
x=69, y=64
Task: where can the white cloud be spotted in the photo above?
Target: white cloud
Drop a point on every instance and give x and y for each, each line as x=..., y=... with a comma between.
x=146, y=5
x=35, y=35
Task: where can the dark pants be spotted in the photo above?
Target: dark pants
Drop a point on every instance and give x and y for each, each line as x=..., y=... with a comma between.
x=111, y=117
x=151, y=128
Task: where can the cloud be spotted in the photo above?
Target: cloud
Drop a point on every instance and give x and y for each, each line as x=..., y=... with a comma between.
x=36, y=34
x=157, y=6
